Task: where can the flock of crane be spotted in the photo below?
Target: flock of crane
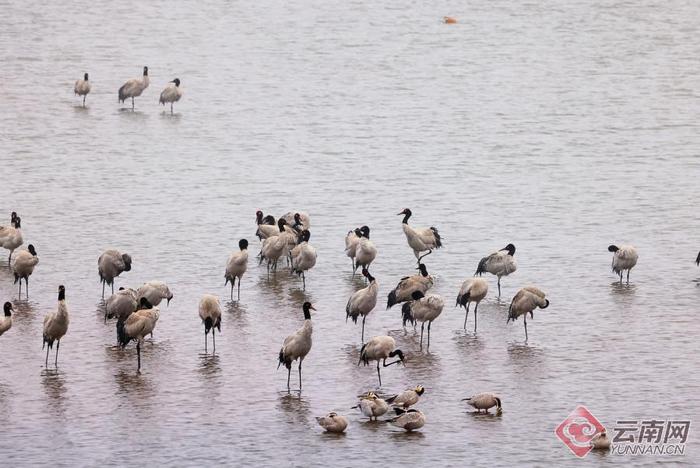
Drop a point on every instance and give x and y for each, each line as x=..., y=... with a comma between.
x=134, y=88
x=137, y=313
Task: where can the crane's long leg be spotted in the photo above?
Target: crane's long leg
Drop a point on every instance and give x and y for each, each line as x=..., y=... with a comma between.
x=46, y=363
x=424, y=255
x=379, y=374
x=363, y=329
x=138, y=355
x=429, y=324
x=58, y=345
x=628, y=277
x=476, y=307
x=84, y=96
x=421, y=335
x=525, y=321
x=103, y=289
x=205, y=340
x=239, y=289
x=499, y=286
x=303, y=279
x=112, y=287
x=213, y=339
x=232, y=284
x=26, y=281
x=19, y=294
x=171, y=108
x=466, y=316
x=300, y=361
x=289, y=375
x=132, y=108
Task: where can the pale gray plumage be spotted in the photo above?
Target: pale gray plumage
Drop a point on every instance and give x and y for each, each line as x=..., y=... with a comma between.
x=500, y=263
x=299, y=220
x=210, y=313
x=365, y=250
x=407, y=398
x=472, y=290
x=134, y=87
x=56, y=325
x=111, y=264
x=11, y=236
x=408, y=285
x=155, y=292
x=352, y=238
x=420, y=239
x=236, y=266
x=526, y=301
x=423, y=309
x=485, y=401
x=372, y=406
x=171, y=94
x=624, y=259
x=380, y=348
x=333, y=422
x=409, y=420
x=362, y=302
x=140, y=323
x=82, y=88
x=23, y=267
x=297, y=345
x=303, y=257
x=121, y=304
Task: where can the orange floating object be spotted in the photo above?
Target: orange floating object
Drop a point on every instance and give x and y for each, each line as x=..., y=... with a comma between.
x=449, y=20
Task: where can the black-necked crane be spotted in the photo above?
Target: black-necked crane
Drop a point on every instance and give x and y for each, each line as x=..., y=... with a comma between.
x=274, y=247
x=110, y=265
x=236, y=266
x=134, y=87
x=420, y=239
x=333, y=422
x=155, y=292
x=23, y=267
x=137, y=325
x=171, y=94
x=409, y=420
x=500, y=263
x=526, y=301
x=267, y=227
x=297, y=220
x=472, y=290
x=11, y=236
x=303, y=256
x=210, y=313
x=352, y=238
x=365, y=251
x=82, y=88
x=6, y=319
x=422, y=309
x=362, y=302
x=624, y=258
x=297, y=345
x=485, y=401
x=408, y=285
x=56, y=325
x=121, y=304
x=380, y=348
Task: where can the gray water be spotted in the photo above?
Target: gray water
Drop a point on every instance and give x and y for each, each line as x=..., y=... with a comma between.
x=561, y=127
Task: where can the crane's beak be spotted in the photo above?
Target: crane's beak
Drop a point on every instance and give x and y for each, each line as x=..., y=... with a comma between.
x=312, y=307
x=397, y=214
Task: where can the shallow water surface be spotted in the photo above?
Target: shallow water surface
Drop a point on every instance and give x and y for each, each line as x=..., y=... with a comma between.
x=561, y=127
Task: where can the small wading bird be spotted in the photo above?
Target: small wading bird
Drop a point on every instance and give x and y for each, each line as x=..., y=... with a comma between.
x=298, y=345
x=410, y=420
x=23, y=267
x=380, y=348
x=56, y=325
x=365, y=251
x=6, y=319
x=624, y=258
x=236, y=266
x=485, y=401
x=11, y=237
x=420, y=239
x=362, y=302
x=82, y=88
x=171, y=94
x=110, y=265
x=422, y=309
x=408, y=285
x=352, y=238
x=134, y=87
x=333, y=422
x=526, y=301
x=499, y=263
x=137, y=325
x=472, y=290
x=372, y=406
x=210, y=313
x=407, y=398
x=303, y=257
